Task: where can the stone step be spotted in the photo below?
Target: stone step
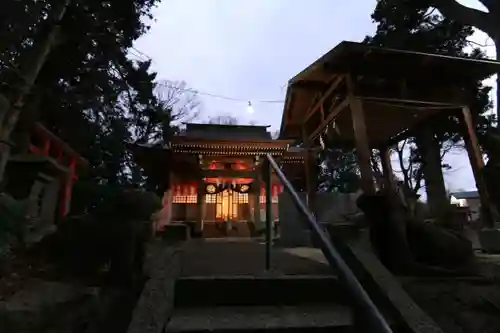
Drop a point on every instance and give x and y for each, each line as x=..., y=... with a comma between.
x=218, y=230
x=258, y=290
x=261, y=318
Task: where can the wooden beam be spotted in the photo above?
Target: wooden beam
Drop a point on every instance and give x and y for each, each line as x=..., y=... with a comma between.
x=406, y=133
x=312, y=103
x=228, y=173
x=311, y=179
x=323, y=98
x=310, y=85
x=363, y=151
x=43, y=133
x=488, y=213
x=327, y=121
x=410, y=101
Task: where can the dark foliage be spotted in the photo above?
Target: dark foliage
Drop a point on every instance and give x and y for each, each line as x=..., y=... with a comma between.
x=89, y=92
x=415, y=25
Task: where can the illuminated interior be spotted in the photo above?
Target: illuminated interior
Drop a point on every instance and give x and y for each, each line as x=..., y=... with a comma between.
x=227, y=203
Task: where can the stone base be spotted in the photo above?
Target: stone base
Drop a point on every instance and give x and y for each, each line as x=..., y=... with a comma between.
x=490, y=240
x=176, y=232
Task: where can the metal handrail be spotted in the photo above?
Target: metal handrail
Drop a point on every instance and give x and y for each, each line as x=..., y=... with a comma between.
x=364, y=303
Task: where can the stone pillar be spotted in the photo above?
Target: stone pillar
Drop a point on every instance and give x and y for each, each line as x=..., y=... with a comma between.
x=164, y=216
x=49, y=201
x=33, y=198
x=293, y=229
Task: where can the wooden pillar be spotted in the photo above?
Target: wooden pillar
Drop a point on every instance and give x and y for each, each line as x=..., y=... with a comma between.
x=256, y=204
x=311, y=179
x=67, y=189
x=251, y=205
x=387, y=172
x=361, y=138
x=269, y=215
x=201, y=207
x=488, y=213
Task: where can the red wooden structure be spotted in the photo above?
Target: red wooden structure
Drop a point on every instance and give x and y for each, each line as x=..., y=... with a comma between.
x=46, y=143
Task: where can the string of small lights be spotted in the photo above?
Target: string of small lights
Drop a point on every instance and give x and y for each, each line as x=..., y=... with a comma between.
x=144, y=57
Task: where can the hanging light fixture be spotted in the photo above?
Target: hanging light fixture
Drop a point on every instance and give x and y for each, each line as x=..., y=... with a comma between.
x=250, y=107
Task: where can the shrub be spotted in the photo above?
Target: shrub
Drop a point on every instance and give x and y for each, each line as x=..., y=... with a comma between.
x=13, y=222
x=112, y=236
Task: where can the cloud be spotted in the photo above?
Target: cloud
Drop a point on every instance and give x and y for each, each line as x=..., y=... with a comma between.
x=249, y=49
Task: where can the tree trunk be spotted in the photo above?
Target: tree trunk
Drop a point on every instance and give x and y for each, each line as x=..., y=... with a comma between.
x=497, y=46
x=30, y=73
x=437, y=198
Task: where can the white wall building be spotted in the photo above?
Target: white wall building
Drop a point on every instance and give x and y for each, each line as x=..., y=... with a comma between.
x=469, y=199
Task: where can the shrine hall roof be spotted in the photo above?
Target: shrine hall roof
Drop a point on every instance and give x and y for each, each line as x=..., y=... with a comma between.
x=383, y=64
x=226, y=132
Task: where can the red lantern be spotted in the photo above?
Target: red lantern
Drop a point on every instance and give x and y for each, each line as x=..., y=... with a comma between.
x=193, y=190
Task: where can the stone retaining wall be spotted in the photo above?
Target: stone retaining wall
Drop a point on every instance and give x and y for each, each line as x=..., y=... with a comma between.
x=330, y=208
x=162, y=265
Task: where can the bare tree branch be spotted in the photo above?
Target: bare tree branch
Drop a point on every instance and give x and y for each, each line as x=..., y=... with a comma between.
x=468, y=16
x=419, y=177
x=479, y=44
x=183, y=102
x=400, y=152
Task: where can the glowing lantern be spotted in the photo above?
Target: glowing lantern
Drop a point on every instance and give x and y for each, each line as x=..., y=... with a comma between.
x=211, y=188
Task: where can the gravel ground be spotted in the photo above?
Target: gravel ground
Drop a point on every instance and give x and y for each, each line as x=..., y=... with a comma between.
x=247, y=257
x=461, y=305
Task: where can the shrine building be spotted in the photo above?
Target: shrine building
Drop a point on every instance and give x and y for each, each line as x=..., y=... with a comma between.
x=215, y=172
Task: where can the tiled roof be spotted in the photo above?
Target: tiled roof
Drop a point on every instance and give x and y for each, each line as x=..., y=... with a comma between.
x=465, y=195
x=227, y=132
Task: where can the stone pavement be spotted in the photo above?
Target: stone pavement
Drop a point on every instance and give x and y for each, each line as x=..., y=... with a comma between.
x=226, y=257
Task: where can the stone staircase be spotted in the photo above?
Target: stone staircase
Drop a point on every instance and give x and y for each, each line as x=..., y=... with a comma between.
x=220, y=285
x=274, y=303
x=218, y=230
